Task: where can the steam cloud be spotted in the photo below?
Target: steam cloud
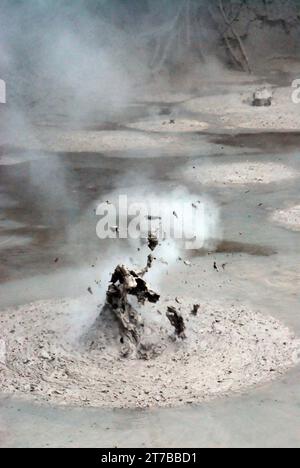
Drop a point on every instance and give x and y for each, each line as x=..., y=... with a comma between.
x=75, y=62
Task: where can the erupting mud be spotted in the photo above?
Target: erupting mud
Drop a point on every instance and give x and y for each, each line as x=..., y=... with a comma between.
x=177, y=322
x=126, y=282
x=132, y=356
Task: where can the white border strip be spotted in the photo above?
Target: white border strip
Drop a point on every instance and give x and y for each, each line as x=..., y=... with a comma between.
x=2, y=92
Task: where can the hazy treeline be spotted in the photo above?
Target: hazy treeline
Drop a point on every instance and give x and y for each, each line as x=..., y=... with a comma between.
x=75, y=47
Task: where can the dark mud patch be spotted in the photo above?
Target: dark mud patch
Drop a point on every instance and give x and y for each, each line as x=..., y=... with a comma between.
x=275, y=142
x=105, y=127
x=10, y=149
x=233, y=247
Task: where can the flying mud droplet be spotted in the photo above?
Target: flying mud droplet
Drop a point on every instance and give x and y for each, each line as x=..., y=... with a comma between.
x=177, y=322
x=195, y=309
x=152, y=241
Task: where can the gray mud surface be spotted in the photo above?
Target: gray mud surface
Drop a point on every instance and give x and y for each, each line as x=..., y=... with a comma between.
x=47, y=256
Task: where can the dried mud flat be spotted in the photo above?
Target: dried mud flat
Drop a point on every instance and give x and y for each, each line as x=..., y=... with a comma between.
x=50, y=358
x=169, y=125
x=240, y=173
x=289, y=218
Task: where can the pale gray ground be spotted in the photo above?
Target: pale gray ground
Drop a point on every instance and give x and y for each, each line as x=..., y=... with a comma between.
x=238, y=173
x=289, y=217
x=227, y=349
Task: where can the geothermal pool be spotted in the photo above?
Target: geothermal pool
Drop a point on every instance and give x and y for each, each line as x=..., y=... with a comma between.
x=54, y=254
